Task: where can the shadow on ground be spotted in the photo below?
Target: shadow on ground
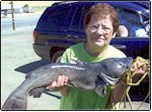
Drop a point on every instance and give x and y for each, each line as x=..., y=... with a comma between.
x=32, y=66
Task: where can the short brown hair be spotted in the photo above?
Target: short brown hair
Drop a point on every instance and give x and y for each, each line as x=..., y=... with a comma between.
x=100, y=10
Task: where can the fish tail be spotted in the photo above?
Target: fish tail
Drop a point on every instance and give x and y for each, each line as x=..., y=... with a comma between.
x=15, y=103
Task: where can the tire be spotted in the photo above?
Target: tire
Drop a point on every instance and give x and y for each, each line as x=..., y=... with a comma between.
x=57, y=57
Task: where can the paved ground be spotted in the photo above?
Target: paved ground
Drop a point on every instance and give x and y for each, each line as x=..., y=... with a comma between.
x=18, y=58
x=22, y=14
x=133, y=106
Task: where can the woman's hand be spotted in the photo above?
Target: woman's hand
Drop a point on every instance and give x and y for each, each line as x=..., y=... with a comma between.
x=60, y=85
x=140, y=70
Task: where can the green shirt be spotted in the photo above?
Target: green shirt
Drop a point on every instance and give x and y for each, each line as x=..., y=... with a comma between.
x=80, y=99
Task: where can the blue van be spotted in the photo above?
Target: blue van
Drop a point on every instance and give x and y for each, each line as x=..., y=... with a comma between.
x=61, y=25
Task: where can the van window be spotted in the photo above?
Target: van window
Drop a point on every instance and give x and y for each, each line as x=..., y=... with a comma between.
x=133, y=23
x=85, y=10
x=76, y=19
x=57, y=17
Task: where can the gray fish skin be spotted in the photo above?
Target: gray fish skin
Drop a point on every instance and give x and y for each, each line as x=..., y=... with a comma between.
x=86, y=76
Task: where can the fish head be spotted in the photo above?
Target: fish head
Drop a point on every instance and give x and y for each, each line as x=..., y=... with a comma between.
x=116, y=67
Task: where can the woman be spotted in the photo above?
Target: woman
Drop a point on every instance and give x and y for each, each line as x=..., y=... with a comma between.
x=101, y=23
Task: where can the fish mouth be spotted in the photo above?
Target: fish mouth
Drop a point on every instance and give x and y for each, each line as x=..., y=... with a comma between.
x=129, y=62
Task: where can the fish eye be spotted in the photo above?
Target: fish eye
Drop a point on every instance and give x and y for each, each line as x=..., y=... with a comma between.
x=120, y=65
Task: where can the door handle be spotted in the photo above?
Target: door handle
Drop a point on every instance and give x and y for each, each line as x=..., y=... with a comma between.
x=74, y=37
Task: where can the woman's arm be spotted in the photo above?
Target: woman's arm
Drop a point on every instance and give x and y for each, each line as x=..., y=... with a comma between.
x=118, y=92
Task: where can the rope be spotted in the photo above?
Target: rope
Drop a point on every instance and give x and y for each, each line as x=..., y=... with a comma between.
x=131, y=75
x=130, y=83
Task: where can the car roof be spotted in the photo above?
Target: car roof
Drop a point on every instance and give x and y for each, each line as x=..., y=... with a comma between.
x=145, y=4
x=136, y=6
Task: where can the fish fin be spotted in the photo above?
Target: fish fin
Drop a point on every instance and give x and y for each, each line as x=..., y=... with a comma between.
x=37, y=92
x=101, y=90
x=27, y=76
x=100, y=86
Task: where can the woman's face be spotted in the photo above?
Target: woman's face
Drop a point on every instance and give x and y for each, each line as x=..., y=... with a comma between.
x=99, y=31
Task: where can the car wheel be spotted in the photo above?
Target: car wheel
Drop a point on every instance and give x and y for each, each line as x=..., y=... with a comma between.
x=57, y=57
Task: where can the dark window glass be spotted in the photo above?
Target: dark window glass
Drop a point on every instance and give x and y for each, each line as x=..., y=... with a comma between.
x=145, y=19
x=129, y=16
x=57, y=17
x=76, y=19
x=85, y=10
